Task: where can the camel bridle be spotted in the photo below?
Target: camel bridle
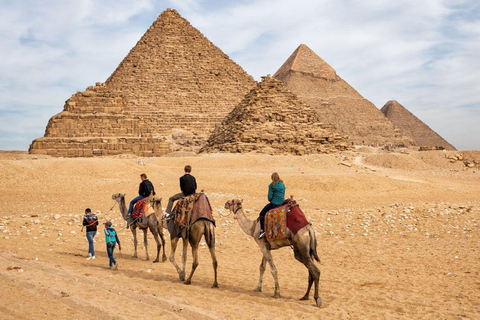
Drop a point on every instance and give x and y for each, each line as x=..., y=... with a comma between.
x=233, y=204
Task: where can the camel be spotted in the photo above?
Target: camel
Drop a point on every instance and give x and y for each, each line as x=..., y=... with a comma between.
x=152, y=223
x=304, y=245
x=193, y=236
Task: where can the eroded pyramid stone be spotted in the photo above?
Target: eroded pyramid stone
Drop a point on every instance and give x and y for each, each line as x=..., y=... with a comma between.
x=173, y=87
x=272, y=120
x=317, y=84
x=413, y=127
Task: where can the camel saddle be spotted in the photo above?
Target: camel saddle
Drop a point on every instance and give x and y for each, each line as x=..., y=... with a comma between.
x=192, y=208
x=287, y=215
x=142, y=209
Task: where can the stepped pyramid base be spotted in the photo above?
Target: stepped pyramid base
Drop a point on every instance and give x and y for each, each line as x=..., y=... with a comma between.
x=105, y=146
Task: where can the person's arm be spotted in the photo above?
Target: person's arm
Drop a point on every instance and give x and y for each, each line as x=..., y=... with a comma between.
x=270, y=192
x=118, y=241
x=195, y=183
x=150, y=189
x=182, y=185
x=140, y=189
x=85, y=222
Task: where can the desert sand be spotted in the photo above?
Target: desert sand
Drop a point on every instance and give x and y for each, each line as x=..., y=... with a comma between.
x=397, y=232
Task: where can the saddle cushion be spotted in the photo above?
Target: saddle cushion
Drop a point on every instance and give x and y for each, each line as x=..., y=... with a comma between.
x=142, y=208
x=191, y=208
x=276, y=223
x=296, y=220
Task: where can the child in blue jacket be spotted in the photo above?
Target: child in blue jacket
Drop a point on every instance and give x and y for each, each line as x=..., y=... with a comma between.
x=111, y=238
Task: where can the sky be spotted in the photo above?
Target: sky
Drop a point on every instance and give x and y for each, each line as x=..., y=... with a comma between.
x=424, y=54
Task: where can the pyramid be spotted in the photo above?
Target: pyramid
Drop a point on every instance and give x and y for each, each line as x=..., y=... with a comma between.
x=272, y=120
x=413, y=127
x=167, y=94
x=317, y=84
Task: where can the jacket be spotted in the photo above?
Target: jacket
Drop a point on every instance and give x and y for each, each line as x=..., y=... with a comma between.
x=276, y=194
x=111, y=235
x=91, y=221
x=188, y=184
x=145, y=188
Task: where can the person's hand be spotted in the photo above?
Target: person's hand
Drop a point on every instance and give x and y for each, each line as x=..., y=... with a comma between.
x=119, y=247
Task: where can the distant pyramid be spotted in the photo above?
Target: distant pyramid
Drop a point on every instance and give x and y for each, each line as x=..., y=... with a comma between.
x=413, y=127
x=174, y=84
x=272, y=120
x=317, y=84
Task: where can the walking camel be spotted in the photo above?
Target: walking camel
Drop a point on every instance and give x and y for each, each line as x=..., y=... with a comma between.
x=193, y=236
x=304, y=247
x=152, y=224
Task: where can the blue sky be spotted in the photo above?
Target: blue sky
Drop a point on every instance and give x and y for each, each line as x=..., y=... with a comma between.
x=424, y=54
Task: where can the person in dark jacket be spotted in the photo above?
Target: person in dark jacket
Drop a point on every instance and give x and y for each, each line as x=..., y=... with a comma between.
x=188, y=186
x=276, y=196
x=111, y=238
x=90, y=220
x=145, y=189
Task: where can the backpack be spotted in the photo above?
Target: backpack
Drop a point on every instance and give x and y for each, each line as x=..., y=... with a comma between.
x=92, y=219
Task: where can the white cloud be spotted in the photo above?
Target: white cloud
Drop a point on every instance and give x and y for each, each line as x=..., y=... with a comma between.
x=422, y=53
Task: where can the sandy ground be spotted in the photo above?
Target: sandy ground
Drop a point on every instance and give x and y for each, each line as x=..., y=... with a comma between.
x=398, y=237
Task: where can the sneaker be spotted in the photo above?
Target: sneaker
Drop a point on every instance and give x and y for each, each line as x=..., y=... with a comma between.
x=93, y=257
x=114, y=267
x=262, y=234
x=167, y=217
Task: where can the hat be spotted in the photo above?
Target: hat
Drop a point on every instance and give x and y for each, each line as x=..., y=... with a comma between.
x=88, y=210
x=108, y=223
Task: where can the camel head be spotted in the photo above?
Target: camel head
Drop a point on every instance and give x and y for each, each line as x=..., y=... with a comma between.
x=118, y=196
x=157, y=204
x=234, y=205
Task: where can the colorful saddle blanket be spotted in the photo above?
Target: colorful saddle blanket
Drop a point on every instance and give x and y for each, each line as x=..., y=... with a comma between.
x=191, y=208
x=142, y=209
x=286, y=215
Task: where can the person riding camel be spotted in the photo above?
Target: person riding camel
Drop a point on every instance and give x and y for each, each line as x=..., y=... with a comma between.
x=188, y=185
x=276, y=196
x=145, y=190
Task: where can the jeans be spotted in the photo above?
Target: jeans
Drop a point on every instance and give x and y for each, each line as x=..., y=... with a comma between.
x=172, y=200
x=110, y=248
x=90, y=235
x=264, y=211
x=132, y=203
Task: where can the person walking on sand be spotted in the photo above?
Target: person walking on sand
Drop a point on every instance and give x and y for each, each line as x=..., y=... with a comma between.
x=111, y=238
x=276, y=196
x=188, y=186
x=90, y=220
x=145, y=189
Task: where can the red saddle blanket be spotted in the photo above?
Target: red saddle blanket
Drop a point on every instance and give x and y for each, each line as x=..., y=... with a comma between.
x=191, y=208
x=141, y=207
x=278, y=219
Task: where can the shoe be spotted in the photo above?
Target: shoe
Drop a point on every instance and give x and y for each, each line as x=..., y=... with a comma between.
x=262, y=234
x=91, y=257
x=128, y=225
x=167, y=216
x=115, y=266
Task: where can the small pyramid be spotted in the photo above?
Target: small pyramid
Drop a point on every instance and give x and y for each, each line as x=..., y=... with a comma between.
x=317, y=84
x=271, y=120
x=413, y=127
x=167, y=94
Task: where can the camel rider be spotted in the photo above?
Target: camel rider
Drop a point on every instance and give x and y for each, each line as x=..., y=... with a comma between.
x=188, y=185
x=90, y=220
x=145, y=189
x=276, y=196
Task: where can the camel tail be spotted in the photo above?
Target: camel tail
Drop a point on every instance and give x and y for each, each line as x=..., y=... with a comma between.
x=313, y=244
x=209, y=233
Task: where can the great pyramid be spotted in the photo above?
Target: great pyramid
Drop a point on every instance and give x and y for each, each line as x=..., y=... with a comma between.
x=413, y=127
x=317, y=84
x=272, y=120
x=174, y=83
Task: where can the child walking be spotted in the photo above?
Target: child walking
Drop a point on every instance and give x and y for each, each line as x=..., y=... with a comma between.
x=111, y=238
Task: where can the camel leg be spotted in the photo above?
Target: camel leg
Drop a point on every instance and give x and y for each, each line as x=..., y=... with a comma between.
x=210, y=239
x=313, y=274
x=184, y=257
x=162, y=238
x=157, y=240
x=174, y=242
x=135, y=242
x=263, y=266
x=195, y=262
x=145, y=243
x=268, y=256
